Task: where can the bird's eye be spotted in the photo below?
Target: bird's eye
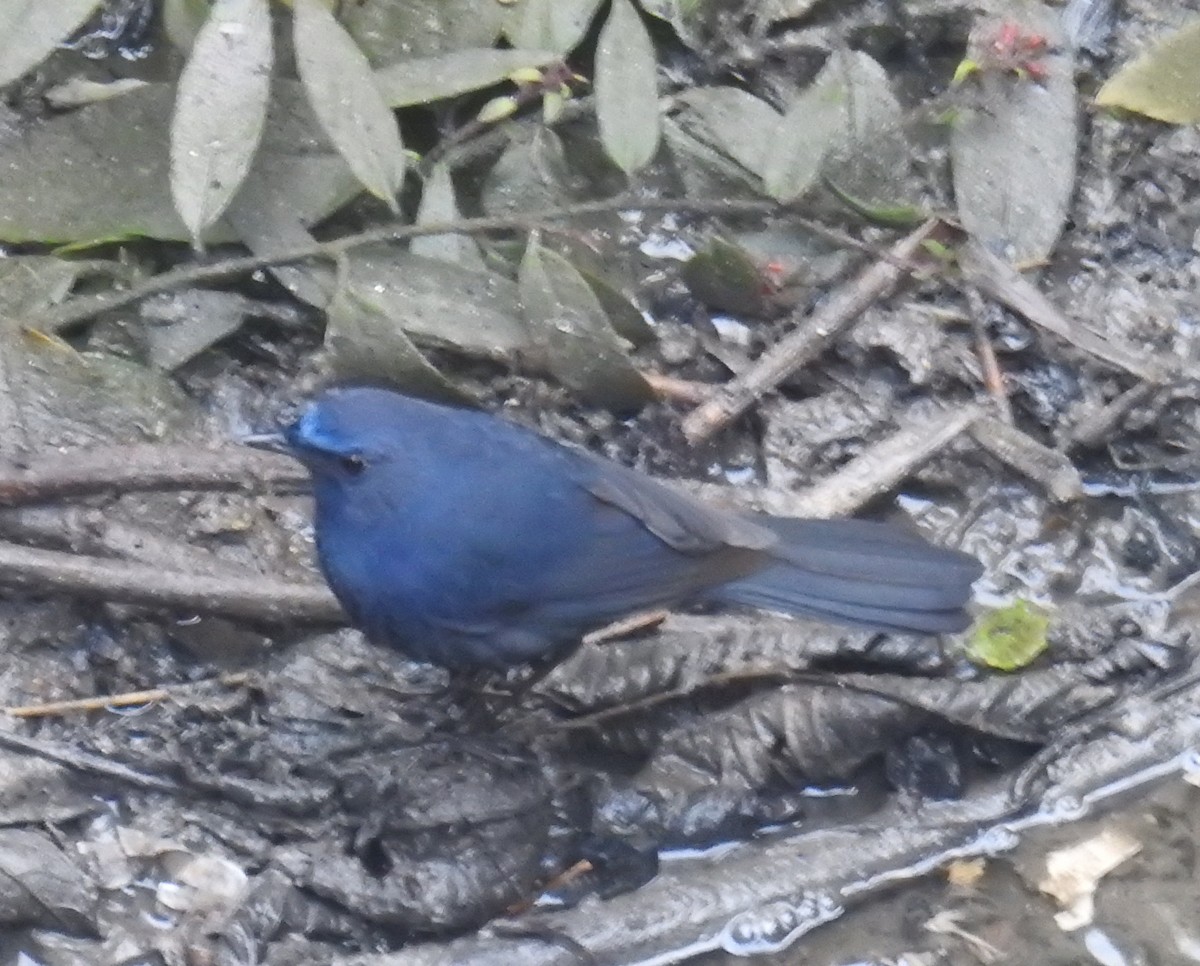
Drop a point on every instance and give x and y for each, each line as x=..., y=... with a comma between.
x=353, y=464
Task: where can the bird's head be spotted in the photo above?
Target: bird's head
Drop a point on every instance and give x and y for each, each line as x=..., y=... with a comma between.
x=344, y=434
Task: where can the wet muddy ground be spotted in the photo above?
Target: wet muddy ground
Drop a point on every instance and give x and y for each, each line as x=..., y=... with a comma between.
x=1141, y=909
x=247, y=781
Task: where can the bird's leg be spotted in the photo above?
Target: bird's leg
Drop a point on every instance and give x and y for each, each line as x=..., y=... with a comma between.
x=466, y=691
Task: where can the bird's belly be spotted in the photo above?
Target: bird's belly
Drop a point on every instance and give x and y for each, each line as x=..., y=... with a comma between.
x=466, y=608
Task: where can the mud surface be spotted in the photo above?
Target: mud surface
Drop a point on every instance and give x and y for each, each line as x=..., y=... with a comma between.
x=256, y=783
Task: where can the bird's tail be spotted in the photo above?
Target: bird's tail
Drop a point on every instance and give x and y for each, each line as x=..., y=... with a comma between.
x=861, y=573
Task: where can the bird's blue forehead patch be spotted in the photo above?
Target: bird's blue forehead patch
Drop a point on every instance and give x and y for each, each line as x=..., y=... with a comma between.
x=315, y=431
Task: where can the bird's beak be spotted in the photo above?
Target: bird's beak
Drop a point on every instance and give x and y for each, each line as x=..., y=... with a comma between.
x=273, y=442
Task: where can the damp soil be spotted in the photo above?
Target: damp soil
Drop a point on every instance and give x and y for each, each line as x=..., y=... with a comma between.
x=709, y=785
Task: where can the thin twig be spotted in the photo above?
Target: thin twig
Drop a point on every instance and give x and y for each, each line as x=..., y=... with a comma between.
x=93, y=531
x=673, y=389
x=125, y=699
x=625, y=627
x=43, y=572
x=993, y=378
x=810, y=338
x=77, y=310
x=570, y=874
x=1097, y=426
x=881, y=466
x=1052, y=469
x=143, y=467
x=1001, y=281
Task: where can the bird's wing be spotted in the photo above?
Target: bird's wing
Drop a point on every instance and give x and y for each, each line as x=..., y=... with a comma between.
x=678, y=520
x=634, y=546
x=646, y=546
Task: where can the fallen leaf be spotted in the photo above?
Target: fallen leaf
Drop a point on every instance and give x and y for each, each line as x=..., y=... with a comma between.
x=365, y=343
x=966, y=873
x=39, y=885
x=352, y=110
x=389, y=31
x=31, y=31
x=421, y=80
x=733, y=120
x=1009, y=638
x=567, y=321
x=101, y=172
x=441, y=304
x=438, y=204
x=1074, y=872
x=627, y=88
x=1013, y=155
x=1163, y=83
x=556, y=25
x=220, y=110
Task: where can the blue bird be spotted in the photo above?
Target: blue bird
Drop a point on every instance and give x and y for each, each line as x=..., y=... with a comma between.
x=466, y=541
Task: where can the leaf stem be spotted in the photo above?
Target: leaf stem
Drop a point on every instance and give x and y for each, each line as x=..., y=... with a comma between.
x=78, y=310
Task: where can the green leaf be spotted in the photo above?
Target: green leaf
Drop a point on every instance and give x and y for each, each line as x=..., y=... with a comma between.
x=297, y=176
x=102, y=172
x=182, y=20
x=732, y=120
x=532, y=173
x=425, y=79
x=872, y=157
x=30, y=284
x=351, y=109
x=804, y=137
x=438, y=204
x=627, y=88
x=497, y=109
x=1163, y=83
x=845, y=122
x=365, y=343
x=567, y=320
x=724, y=276
x=890, y=216
x=556, y=25
x=388, y=31
x=1010, y=638
x=30, y=30
x=625, y=317
x=705, y=171
x=220, y=110
x=440, y=304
